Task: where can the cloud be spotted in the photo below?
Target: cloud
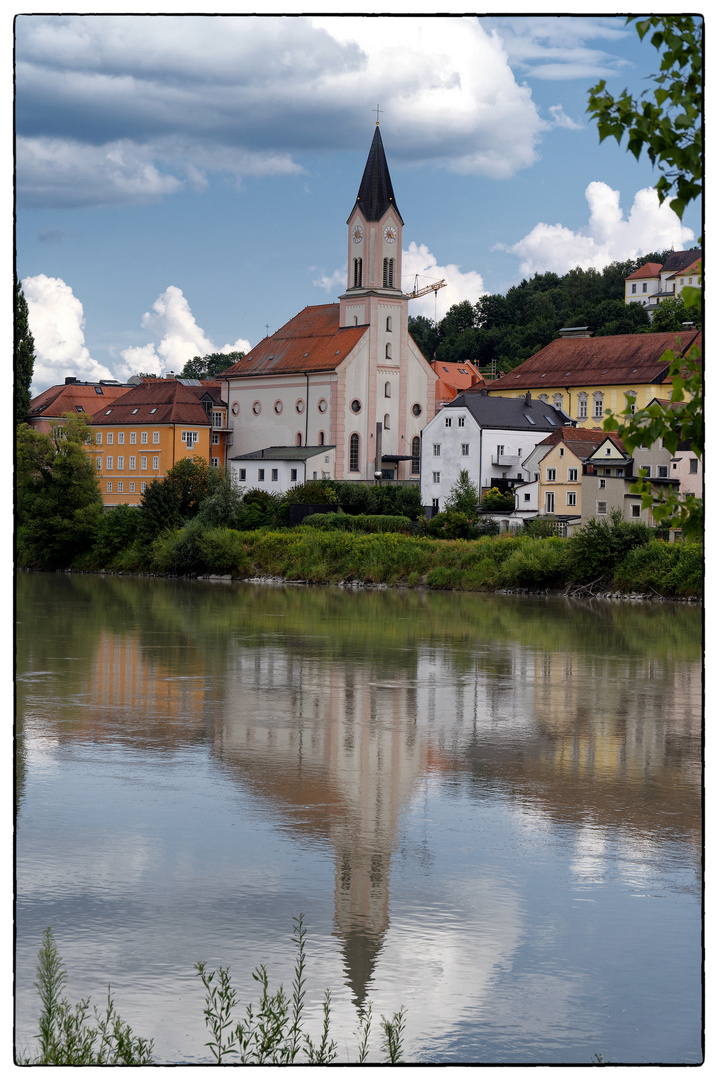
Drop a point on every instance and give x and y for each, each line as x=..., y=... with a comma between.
x=544, y=47
x=417, y=260
x=608, y=237
x=57, y=322
x=177, y=337
x=129, y=109
x=560, y=119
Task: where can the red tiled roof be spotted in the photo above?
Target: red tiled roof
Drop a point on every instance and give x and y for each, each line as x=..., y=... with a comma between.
x=161, y=401
x=311, y=341
x=583, y=441
x=65, y=397
x=646, y=271
x=600, y=361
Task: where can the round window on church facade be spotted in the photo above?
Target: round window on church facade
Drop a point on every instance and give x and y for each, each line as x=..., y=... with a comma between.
x=257, y=408
x=300, y=406
x=235, y=408
x=356, y=405
x=322, y=405
x=416, y=409
x=278, y=406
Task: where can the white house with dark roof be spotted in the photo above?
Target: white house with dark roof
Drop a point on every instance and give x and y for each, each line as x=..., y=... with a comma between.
x=348, y=374
x=278, y=468
x=487, y=436
x=654, y=282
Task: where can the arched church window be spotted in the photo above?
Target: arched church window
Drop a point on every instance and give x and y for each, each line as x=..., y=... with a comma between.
x=321, y=438
x=299, y=438
x=387, y=389
x=354, y=453
x=388, y=323
x=357, y=274
x=387, y=351
x=415, y=453
x=388, y=280
x=387, y=424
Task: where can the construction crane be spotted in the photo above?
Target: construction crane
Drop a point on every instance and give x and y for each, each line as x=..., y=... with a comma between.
x=416, y=291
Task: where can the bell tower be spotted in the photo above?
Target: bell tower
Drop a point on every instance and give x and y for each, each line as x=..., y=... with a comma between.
x=374, y=244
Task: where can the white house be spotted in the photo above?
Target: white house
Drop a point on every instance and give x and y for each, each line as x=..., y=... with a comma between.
x=279, y=468
x=348, y=374
x=487, y=436
x=654, y=282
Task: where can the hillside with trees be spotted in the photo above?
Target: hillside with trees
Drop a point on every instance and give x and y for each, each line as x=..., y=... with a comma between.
x=503, y=331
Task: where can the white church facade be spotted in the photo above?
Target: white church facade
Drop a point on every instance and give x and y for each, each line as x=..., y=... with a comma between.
x=345, y=377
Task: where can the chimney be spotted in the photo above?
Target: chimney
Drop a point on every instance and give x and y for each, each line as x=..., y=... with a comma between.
x=70, y=379
x=527, y=400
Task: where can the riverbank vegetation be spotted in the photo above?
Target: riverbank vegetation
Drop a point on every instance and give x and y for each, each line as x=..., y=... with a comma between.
x=272, y=1032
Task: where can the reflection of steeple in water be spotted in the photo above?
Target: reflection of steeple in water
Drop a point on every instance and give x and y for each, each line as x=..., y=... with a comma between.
x=360, y=953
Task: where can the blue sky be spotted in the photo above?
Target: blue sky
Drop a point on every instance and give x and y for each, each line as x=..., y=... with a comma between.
x=183, y=183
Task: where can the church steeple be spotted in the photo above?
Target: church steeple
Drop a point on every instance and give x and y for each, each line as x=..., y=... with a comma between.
x=376, y=194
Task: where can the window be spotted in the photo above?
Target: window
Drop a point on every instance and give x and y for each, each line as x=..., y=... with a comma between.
x=322, y=439
x=110, y=438
x=133, y=463
x=120, y=486
x=464, y=449
x=598, y=405
x=635, y=510
x=155, y=436
x=663, y=471
x=357, y=274
x=143, y=486
x=499, y=451
x=527, y=496
x=216, y=419
x=388, y=276
x=79, y=408
x=387, y=424
x=572, y=475
x=132, y=485
x=388, y=324
x=135, y=410
x=645, y=470
x=98, y=438
x=143, y=462
x=645, y=286
x=602, y=483
x=633, y=288
x=275, y=474
x=215, y=438
x=156, y=461
x=570, y=498
x=293, y=474
x=98, y=463
x=437, y=449
x=356, y=406
x=387, y=351
x=109, y=485
x=693, y=466
x=416, y=409
x=278, y=406
x=108, y=463
x=387, y=389
x=256, y=407
x=550, y=474
x=558, y=401
x=434, y=504
x=461, y=421
x=260, y=474
x=143, y=438
x=354, y=453
x=606, y=472
x=121, y=462
x=582, y=406
x=550, y=502
x=120, y=437
x=560, y=453
x=631, y=402
x=322, y=405
x=190, y=438
x=98, y=390
x=133, y=438
x=601, y=508
x=436, y=477
x=619, y=471
x=242, y=474
x=298, y=440
x=415, y=454
x=447, y=421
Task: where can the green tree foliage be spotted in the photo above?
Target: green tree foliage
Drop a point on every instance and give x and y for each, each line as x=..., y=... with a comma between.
x=160, y=509
x=58, y=495
x=667, y=120
x=671, y=314
x=667, y=123
x=23, y=356
x=497, y=501
x=208, y=367
x=464, y=496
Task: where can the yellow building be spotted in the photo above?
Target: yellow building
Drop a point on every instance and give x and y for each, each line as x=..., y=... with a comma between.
x=588, y=377
x=140, y=436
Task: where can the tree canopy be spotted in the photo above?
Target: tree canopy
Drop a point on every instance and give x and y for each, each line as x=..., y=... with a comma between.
x=207, y=367
x=23, y=356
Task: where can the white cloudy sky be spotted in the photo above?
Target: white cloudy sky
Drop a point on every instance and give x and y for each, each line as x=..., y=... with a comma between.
x=183, y=183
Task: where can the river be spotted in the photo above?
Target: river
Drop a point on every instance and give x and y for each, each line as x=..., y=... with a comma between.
x=487, y=809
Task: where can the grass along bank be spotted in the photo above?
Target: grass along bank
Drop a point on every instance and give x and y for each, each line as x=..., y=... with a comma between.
x=602, y=557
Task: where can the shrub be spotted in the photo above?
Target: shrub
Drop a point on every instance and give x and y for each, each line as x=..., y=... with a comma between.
x=664, y=568
x=116, y=530
x=464, y=496
x=223, y=552
x=536, y=564
x=450, y=525
x=497, y=501
x=597, y=548
x=368, y=523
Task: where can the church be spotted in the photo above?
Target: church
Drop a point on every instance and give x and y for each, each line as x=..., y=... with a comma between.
x=341, y=391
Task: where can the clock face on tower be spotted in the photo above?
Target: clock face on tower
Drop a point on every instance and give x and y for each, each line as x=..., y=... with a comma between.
x=357, y=233
x=390, y=234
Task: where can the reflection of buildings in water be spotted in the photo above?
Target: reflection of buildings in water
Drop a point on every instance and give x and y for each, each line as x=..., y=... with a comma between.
x=336, y=750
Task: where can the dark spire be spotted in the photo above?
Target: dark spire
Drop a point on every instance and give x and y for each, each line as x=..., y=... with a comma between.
x=376, y=194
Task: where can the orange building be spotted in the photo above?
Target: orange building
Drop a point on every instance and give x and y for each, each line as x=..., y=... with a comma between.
x=140, y=436
x=74, y=396
x=453, y=379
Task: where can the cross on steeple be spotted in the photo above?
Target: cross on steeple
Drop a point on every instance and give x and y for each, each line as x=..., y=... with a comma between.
x=378, y=110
